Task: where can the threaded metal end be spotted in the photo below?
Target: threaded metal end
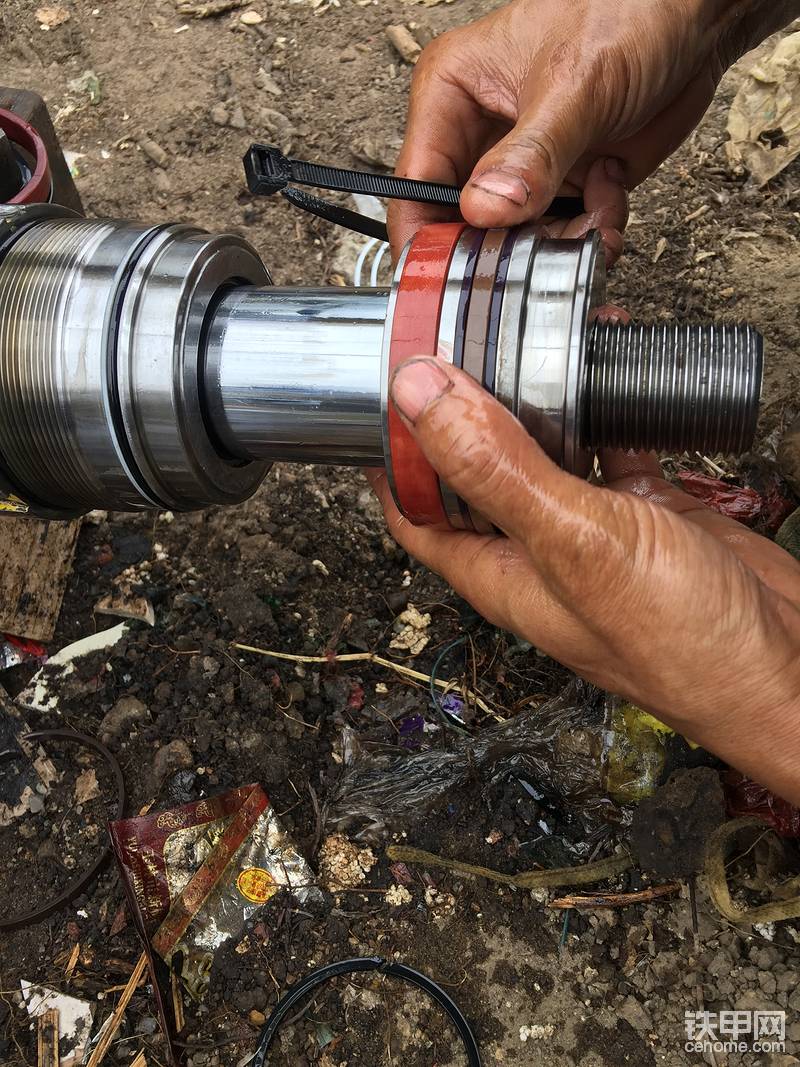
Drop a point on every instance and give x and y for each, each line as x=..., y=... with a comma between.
x=672, y=387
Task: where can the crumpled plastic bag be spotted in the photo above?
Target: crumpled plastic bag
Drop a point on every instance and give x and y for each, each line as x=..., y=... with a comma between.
x=764, y=120
x=557, y=747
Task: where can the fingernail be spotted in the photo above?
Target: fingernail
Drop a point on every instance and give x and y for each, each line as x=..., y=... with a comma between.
x=615, y=169
x=416, y=384
x=501, y=183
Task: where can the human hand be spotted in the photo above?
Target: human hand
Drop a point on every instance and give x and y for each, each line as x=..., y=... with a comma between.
x=587, y=97
x=636, y=586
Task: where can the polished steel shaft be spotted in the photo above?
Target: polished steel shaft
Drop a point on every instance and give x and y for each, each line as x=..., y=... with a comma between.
x=296, y=374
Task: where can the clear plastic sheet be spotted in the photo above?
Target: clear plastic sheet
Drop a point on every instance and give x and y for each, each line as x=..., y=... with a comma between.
x=555, y=749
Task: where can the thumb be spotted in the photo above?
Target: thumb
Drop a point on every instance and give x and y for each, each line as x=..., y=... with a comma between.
x=481, y=451
x=518, y=178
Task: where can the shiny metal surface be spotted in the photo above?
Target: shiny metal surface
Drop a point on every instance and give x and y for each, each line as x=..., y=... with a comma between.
x=155, y=367
x=160, y=350
x=561, y=289
x=659, y=386
x=58, y=284
x=511, y=318
x=296, y=374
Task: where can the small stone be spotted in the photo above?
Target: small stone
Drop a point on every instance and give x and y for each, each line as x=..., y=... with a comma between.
x=348, y=55
x=35, y=804
x=171, y=757
x=256, y=1017
x=211, y=666
x=720, y=964
x=765, y=957
x=162, y=183
x=767, y=983
x=633, y=1012
x=219, y=115
x=123, y=716
x=237, y=119
x=251, y=18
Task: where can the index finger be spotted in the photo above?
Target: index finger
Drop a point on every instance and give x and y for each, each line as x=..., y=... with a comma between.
x=440, y=145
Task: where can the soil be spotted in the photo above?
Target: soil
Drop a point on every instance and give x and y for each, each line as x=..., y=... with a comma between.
x=306, y=566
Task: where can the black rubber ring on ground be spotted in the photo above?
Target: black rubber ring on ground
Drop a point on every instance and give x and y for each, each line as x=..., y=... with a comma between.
x=76, y=887
x=354, y=966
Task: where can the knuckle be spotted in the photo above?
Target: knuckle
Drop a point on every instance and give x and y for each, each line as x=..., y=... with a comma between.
x=537, y=145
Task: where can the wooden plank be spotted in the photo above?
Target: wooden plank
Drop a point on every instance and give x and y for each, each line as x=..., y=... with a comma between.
x=35, y=561
x=48, y=1039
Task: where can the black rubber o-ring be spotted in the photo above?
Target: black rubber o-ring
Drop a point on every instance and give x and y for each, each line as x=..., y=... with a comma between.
x=76, y=887
x=360, y=964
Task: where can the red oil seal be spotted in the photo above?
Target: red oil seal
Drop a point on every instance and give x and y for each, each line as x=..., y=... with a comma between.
x=415, y=332
x=38, y=187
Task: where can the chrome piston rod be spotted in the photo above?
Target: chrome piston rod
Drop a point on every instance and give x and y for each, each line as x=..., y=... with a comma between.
x=296, y=374
x=157, y=367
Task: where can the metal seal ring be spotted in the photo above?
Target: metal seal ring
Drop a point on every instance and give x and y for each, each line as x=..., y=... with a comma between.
x=480, y=302
x=459, y=281
x=77, y=886
x=512, y=313
x=590, y=288
x=360, y=965
x=415, y=332
x=162, y=324
x=565, y=280
x=476, y=334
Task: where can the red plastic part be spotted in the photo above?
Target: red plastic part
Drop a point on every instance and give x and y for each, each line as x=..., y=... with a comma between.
x=415, y=332
x=22, y=134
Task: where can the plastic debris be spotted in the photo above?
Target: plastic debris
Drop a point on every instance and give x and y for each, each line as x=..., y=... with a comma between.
x=555, y=747
x=195, y=874
x=74, y=1019
x=746, y=797
x=26, y=774
x=764, y=120
x=42, y=692
x=634, y=752
x=16, y=650
x=734, y=501
x=87, y=83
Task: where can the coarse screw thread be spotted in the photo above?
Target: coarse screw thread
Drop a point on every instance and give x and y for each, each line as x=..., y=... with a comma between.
x=672, y=387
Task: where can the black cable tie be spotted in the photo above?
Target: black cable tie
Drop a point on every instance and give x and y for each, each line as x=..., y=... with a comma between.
x=342, y=216
x=269, y=171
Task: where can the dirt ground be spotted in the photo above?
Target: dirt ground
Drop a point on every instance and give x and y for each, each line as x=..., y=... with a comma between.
x=306, y=566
